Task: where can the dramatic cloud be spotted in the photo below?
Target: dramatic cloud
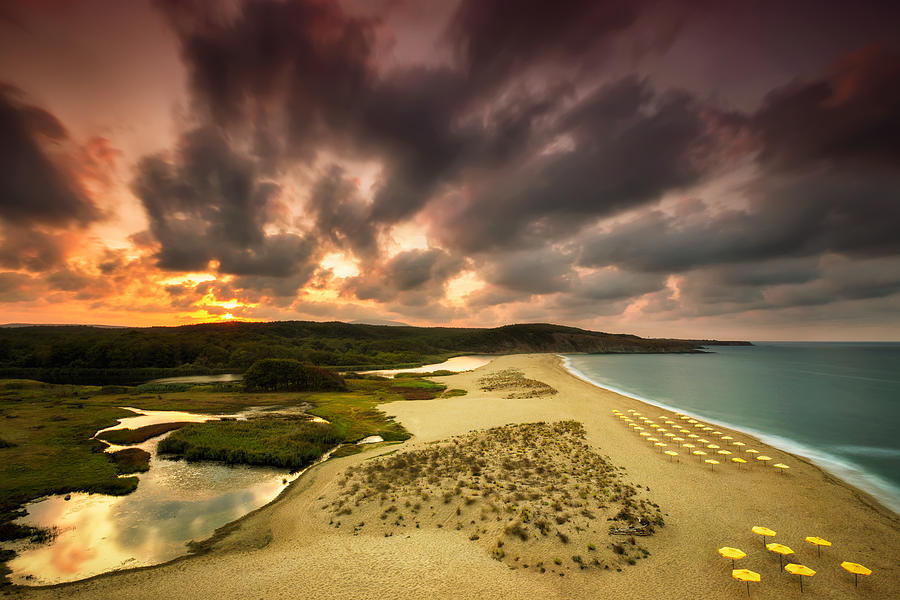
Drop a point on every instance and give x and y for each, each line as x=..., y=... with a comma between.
x=35, y=185
x=641, y=166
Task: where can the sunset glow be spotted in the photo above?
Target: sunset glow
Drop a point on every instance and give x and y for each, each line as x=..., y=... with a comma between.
x=464, y=166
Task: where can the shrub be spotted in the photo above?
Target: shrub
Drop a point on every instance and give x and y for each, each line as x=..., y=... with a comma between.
x=288, y=375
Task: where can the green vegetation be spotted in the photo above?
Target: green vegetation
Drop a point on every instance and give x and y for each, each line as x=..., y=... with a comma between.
x=95, y=355
x=288, y=375
x=454, y=393
x=286, y=442
x=123, y=437
x=417, y=388
x=131, y=460
x=48, y=430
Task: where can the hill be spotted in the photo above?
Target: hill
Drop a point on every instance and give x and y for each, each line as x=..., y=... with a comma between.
x=95, y=355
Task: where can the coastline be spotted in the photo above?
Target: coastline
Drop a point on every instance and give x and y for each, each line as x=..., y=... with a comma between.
x=870, y=484
x=262, y=554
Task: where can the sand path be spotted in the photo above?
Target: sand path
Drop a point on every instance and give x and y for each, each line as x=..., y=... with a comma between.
x=287, y=550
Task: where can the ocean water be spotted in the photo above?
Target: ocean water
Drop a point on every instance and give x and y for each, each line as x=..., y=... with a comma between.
x=835, y=403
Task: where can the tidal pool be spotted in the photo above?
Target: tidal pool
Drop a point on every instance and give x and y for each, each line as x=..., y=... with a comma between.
x=174, y=503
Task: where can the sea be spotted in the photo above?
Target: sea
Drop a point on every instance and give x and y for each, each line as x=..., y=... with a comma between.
x=836, y=403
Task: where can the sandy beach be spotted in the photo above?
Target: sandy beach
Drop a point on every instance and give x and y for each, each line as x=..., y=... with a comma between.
x=288, y=549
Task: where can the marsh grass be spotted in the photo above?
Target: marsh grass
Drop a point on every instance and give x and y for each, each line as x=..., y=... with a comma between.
x=131, y=460
x=123, y=437
x=276, y=441
x=525, y=492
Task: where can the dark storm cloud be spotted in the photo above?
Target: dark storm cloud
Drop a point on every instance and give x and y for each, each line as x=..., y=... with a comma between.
x=412, y=277
x=631, y=145
x=498, y=37
x=34, y=187
x=851, y=116
x=211, y=204
x=536, y=271
x=31, y=249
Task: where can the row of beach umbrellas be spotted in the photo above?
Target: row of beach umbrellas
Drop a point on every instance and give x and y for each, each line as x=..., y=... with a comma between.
x=781, y=550
x=688, y=434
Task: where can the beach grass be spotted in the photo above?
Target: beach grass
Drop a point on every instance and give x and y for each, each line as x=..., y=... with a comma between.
x=527, y=492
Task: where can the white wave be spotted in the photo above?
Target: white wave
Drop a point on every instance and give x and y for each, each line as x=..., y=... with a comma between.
x=885, y=491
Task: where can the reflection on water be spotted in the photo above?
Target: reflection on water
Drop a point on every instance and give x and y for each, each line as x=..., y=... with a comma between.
x=455, y=364
x=200, y=379
x=155, y=417
x=174, y=503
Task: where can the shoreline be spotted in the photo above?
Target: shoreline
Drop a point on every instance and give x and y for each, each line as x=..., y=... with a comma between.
x=704, y=510
x=872, y=485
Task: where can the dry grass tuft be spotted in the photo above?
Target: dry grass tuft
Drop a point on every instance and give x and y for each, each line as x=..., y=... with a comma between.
x=515, y=382
x=526, y=493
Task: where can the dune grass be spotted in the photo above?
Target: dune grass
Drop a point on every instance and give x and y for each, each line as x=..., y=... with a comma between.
x=528, y=493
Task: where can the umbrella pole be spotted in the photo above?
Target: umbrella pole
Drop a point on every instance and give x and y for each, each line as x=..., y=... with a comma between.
x=801, y=583
x=748, y=589
x=856, y=579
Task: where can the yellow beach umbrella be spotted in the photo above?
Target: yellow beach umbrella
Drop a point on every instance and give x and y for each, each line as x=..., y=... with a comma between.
x=724, y=452
x=801, y=570
x=732, y=553
x=707, y=429
x=819, y=542
x=746, y=575
x=670, y=422
x=652, y=439
x=764, y=458
x=693, y=436
x=654, y=425
x=704, y=441
x=780, y=550
x=727, y=437
x=739, y=461
x=660, y=445
x=699, y=454
x=644, y=433
x=712, y=463
x=677, y=439
x=751, y=451
x=670, y=435
x=672, y=454
x=717, y=433
x=684, y=431
x=763, y=531
x=781, y=467
x=713, y=446
x=857, y=570
x=738, y=444
x=692, y=420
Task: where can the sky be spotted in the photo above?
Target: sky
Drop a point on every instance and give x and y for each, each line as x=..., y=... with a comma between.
x=703, y=169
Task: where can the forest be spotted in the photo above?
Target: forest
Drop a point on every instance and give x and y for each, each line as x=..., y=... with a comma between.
x=129, y=355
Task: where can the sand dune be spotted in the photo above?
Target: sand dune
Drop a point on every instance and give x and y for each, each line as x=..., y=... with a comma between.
x=289, y=550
